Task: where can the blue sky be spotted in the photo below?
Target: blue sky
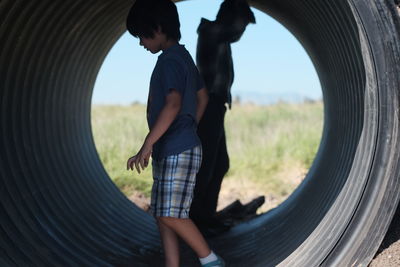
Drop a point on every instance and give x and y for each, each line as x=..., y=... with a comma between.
x=270, y=64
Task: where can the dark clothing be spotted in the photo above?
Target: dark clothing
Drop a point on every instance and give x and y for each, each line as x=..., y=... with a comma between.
x=175, y=69
x=215, y=162
x=214, y=59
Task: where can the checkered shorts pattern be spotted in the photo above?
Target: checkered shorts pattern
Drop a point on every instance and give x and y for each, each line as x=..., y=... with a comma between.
x=174, y=181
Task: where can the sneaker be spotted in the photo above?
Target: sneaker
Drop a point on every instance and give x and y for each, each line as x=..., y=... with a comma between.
x=218, y=263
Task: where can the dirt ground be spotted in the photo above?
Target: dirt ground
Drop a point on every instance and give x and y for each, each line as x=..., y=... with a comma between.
x=388, y=254
x=389, y=257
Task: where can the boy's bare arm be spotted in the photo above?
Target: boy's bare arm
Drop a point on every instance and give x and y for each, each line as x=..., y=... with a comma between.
x=202, y=100
x=164, y=120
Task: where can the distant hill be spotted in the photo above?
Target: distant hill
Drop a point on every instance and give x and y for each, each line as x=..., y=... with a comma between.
x=268, y=98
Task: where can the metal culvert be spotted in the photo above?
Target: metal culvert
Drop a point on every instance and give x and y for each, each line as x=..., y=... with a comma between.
x=59, y=207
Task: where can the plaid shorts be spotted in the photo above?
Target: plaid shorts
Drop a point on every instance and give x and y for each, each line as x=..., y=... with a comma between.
x=174, y=181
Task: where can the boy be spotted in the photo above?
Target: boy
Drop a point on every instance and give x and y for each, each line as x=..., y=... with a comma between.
x=176, y=103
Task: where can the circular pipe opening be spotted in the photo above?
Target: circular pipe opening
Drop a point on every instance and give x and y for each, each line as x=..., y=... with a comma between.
x=259, y=78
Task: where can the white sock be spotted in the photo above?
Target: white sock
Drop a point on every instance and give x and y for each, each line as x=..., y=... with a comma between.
x=209, y=258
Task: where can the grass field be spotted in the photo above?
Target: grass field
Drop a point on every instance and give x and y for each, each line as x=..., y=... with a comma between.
x=270, y=148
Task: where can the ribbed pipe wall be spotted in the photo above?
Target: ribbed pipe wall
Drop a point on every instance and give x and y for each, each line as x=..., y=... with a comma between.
x=59, y=207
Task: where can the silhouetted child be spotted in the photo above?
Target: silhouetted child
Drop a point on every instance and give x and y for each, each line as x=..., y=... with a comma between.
x=214, y=60
x=176, y=102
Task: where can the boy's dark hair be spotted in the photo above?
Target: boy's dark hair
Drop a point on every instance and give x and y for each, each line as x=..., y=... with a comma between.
x=146, y=16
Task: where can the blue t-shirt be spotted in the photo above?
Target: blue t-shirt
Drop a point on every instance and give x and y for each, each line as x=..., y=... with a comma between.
x=175, y=69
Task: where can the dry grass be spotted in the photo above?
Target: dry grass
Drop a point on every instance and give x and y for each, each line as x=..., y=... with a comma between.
x=270, y=148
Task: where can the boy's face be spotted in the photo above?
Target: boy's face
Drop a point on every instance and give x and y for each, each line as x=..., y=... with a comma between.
x=154, y=44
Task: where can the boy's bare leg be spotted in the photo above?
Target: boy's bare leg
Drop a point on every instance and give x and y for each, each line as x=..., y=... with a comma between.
x=188, y=231
x=170, y=245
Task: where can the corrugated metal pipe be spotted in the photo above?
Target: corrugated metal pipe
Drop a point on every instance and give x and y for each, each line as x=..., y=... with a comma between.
x=59, y=208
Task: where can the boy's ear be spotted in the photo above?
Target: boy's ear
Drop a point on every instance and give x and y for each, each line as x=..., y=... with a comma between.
x=159, y=30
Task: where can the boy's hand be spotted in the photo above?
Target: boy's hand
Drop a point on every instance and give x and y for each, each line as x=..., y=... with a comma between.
x=141, y=159
x=164, y=120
